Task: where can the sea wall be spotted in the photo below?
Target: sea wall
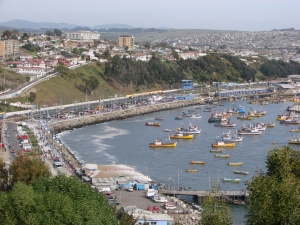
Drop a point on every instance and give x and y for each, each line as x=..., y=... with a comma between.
x=82, y=121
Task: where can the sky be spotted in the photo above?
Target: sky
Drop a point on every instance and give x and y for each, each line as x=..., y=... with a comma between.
x=243, y=15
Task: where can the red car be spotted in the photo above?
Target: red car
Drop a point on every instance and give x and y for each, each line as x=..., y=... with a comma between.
x=153, y=208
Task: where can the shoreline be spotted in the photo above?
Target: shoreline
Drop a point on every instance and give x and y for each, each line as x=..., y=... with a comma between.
x=70, y=124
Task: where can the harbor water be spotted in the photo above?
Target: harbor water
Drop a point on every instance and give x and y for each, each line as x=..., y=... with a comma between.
x=127, y=142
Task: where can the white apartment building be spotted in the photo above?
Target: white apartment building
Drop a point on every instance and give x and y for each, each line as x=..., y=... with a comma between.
x=83, y=35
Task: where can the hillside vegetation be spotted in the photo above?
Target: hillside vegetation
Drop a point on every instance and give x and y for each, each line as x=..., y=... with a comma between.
x=124, y=76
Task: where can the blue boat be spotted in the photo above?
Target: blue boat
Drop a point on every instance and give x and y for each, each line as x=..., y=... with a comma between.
x=241, y=109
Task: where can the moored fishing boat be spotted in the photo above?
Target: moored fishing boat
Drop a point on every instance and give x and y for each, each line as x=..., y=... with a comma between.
x=236, y=164
x=295, y=130
x=251, y=131
x=225, y=124
x=167, y=130
x=270, y=124
x=190, y=130
x=243, y=117
x=197, y=162
x=228, y=137
x=196, y=116
x=223, y=144
x=178, y=117
x=191, y=171
x=159, y=118
x=216, y=150
x=159, y=143
x=294, y=141
x=180, y=135
x=290, y=121
x=221, y=155
x=156, y=124
x=231, y=180
x=241, y=172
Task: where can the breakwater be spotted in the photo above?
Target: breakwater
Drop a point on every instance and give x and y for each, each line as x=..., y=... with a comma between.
x=78, y=122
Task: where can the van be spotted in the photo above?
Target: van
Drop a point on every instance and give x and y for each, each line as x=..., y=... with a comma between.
x=58, y=164
x=151, y=192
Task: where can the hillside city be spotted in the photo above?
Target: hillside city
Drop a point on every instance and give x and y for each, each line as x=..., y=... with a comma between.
x=128, y=196
x=36, y=54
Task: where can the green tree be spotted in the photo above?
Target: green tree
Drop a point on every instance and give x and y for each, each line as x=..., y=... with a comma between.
x=57, y=32
x=49, y=33
x=7, y=34
x=58, y=200
x=63, y=70
x=26, y=168
x=274, y=195
x=32, y=96
x=25, y=36
x=215, y=211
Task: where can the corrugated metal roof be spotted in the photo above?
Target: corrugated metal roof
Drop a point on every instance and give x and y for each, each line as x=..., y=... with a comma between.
x=286, y=85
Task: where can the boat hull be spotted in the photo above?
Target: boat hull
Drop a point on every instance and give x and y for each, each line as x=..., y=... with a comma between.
x=228, y=145
x=231, y=180
x=189, y=136
x=216, y=150
x=191, y=171
x=221, y=156
x=235, y=164
x=198, y=162
x=241, y=172
x=163, y=145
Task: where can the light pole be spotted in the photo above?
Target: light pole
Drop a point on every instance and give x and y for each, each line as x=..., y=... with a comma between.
x=178, y=179
x=218, y=178
x=174, y=185
x=208, y=181
x=146, y=169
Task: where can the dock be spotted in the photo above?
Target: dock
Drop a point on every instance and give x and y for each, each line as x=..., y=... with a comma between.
x=198, y=196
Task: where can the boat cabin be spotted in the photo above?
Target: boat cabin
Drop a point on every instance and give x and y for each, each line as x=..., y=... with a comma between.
x=157, y=142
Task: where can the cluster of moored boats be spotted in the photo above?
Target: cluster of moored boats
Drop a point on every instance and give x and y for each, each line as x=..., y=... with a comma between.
x=227, y=139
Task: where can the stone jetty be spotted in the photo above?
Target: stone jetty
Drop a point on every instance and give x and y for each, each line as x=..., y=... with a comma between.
x=78, y=122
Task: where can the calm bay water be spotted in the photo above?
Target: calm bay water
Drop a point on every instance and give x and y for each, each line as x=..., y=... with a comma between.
x=127, y=142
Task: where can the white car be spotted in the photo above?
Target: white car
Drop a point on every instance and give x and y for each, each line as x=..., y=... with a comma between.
x=130, y=189
x=160, y=200
x=169, y=206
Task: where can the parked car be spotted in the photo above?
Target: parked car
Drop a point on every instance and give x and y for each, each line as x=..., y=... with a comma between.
x=169, y=205
x=130, y=189
x=160, y=199
x=153, y=208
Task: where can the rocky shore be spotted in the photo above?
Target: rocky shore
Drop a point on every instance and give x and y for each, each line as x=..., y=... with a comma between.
x=78, y=122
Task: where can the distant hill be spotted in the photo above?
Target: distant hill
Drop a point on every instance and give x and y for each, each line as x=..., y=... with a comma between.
x=286, y=29
x=19, y=24
x=24, y=24
x=113, y=25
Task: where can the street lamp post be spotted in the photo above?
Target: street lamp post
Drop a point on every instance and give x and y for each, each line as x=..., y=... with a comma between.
x=208, y=181
x=178, y=179
x=174, y=185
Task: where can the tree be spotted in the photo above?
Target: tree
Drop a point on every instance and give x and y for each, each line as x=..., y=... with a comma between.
x=32, y=96
x=49, y=33
x=59, y=200
x=7, y=34
x=25, y=36
x=26, y=168
x=274, y=195
x=57, y=32
x=215, y=211
x=63, y=70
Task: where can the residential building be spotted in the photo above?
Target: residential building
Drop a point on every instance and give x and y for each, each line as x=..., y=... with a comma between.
x=126, y=40
x=83, y=35
x=9, y=48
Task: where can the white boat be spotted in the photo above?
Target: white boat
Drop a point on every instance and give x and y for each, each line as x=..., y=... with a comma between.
x=189, y=130
x=167, y=130
x=196, y=116
x=253, y=131
x=229, y=137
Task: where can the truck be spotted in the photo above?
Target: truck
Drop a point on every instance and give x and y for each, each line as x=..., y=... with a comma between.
x=151, y=192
